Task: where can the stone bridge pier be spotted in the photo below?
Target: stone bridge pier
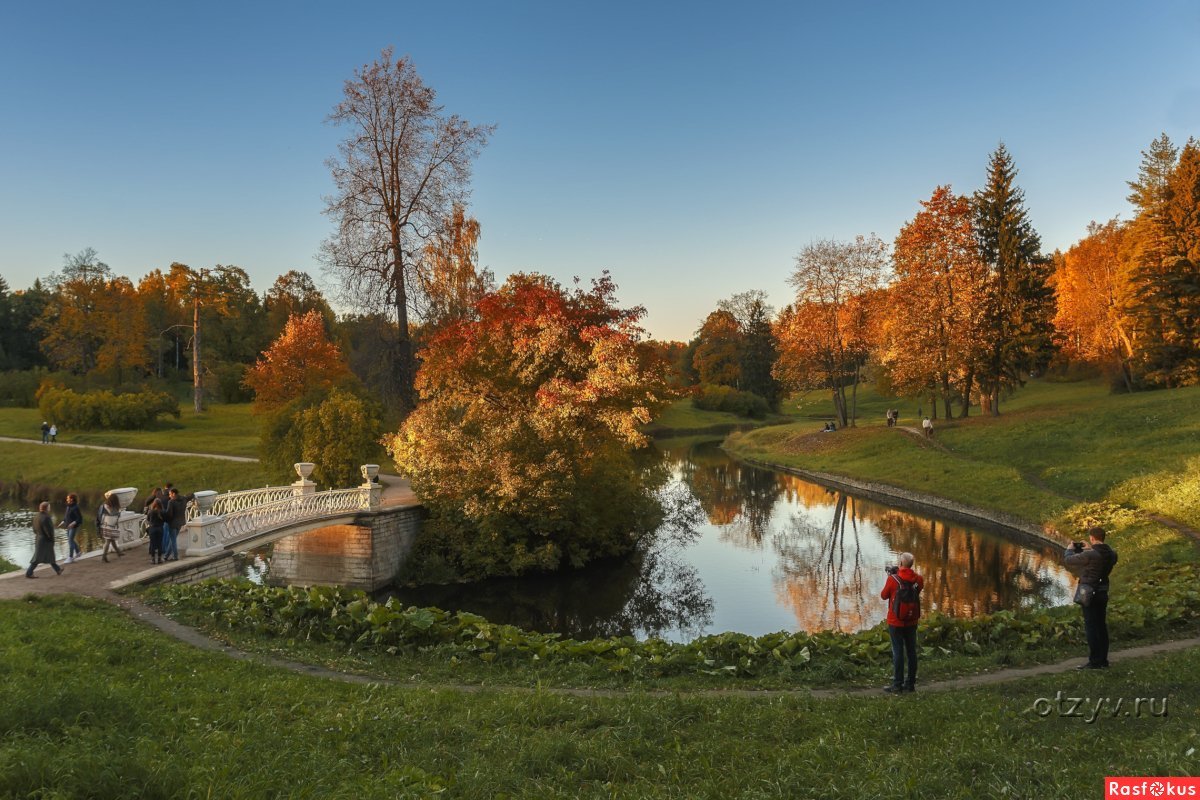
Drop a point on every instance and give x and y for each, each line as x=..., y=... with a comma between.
x=364, y=554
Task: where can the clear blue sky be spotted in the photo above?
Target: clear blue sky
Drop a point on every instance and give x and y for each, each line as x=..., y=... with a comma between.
x=690, y=148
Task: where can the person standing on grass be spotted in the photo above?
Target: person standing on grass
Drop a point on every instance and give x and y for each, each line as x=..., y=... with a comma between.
x=45, y=432
x=109, y=521
x=53, y=434
x=72, y=521
x=927, y=424
x=902, y=591
x=176, y=519
x=43, y=548
x=1093, y=564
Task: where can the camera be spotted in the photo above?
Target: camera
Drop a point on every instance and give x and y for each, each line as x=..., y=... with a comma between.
x=1077, y=546
x=891, y=570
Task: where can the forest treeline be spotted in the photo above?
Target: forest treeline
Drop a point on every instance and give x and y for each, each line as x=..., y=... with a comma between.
x=965, y=305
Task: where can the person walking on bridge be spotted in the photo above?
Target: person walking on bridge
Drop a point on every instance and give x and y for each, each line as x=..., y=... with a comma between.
x=43, y=548
x=72, y=521
x=109, y=522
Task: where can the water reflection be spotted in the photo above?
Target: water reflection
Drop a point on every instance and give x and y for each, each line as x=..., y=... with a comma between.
x=742, y=549
x=16, y=535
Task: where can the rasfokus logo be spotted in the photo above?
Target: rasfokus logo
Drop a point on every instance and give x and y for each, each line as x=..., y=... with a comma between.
x=1151, y=787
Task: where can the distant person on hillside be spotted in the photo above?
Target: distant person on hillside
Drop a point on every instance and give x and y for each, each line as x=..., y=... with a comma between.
x=902, y=591
x=109, y=520
x=43, y=548
x=72, y=521
x=928, y=426
x=53, y=434
x=1093, y=564
x=45, y=432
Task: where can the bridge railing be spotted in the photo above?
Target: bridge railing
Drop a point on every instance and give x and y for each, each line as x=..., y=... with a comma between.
x=231, y=502
x=242, y=523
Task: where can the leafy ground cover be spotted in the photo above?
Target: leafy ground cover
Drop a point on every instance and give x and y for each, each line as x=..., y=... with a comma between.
x=85, y=711
x=224, y=429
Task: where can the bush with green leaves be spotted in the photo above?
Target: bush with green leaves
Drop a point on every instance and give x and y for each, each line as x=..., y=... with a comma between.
x=338, y=431
x=725, y=398
x=104, y=410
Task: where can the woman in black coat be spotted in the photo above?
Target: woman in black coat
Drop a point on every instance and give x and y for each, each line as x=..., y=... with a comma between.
x=43, y=549
x=73, y=522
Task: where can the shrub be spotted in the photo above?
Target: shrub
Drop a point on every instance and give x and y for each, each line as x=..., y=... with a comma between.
x=103, y=410
x=19, y=387
x=726, y=398
x=338, y=432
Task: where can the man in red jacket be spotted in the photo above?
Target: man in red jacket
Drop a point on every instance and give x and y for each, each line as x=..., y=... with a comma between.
x=902, y=590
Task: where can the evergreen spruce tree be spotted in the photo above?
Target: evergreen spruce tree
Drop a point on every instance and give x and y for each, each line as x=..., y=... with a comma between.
x=759, y=352
x=1018, y=304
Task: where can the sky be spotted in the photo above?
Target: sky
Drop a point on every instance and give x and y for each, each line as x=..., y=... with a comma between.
x=691, y=149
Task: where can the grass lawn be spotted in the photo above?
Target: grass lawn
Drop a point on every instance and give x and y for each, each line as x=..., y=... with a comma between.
x=85, y=711
x=681, y=418
x=31, y=469
x=1055, y=444
x=230, y=430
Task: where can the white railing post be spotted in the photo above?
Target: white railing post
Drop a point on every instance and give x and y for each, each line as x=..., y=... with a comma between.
x=304, y=485
x=129, y=523
x=206, y=533
x=372, y=490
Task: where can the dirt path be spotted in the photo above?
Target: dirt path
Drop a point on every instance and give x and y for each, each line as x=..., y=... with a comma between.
x=217, y=456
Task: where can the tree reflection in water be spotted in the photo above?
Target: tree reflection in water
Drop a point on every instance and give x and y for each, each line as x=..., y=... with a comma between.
x=759, y=551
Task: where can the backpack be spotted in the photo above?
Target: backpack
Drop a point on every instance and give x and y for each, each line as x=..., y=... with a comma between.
x=906, y=601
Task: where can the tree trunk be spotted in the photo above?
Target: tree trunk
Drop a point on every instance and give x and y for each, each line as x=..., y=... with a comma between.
x=966, y=395
x=197, y=380
x=933, y=405
x=946, y=402
x=995, y=409
x=854, y=399
x=405, y=366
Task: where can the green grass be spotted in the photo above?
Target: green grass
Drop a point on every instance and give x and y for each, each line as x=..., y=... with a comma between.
x=85, y=712
x=1055, y=444
x=681, y=418
x=32, y=468
x=228, y=430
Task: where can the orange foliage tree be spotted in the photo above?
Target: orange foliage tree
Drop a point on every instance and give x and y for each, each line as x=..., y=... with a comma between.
x=520, y=448
x=302, y=359
x=1092, y=284
x=932, y=333
x=825, y=336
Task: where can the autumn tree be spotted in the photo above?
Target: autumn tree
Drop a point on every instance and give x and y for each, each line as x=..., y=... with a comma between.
x=1093, y=316
x=521, y=448
x=825, y=335
x=717, y=356
x=1165, y=253
x=758, y=348
x=397, y=176
x=931, y=330
x=1018, y=308
x=301, y=360
x=452, y=281
x=336, y=429
x=71, y=337
x=294, y=293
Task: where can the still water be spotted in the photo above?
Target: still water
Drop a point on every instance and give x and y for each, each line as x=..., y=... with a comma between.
x=761, y=552
x=769, y=552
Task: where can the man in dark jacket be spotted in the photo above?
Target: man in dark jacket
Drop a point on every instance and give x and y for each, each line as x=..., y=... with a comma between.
x=176, y=518
x=902, y=590
x=43, y=549
x=1093, y=564
x=73, y=521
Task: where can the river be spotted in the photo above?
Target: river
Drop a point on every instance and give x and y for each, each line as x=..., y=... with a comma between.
x=763, y=551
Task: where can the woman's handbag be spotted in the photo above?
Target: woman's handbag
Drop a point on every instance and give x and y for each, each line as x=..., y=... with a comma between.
x=1084, y=593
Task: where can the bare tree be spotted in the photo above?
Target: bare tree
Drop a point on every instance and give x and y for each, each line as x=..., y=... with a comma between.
x=398, y=174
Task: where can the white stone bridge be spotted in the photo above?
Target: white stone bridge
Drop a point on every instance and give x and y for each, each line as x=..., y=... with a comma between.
x=238, y=521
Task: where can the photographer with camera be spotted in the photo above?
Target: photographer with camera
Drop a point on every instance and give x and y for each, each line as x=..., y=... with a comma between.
x=902, y=590
x=1093, y=565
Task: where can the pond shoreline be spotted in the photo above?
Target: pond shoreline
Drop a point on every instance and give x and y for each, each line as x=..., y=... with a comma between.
x=998, y=521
